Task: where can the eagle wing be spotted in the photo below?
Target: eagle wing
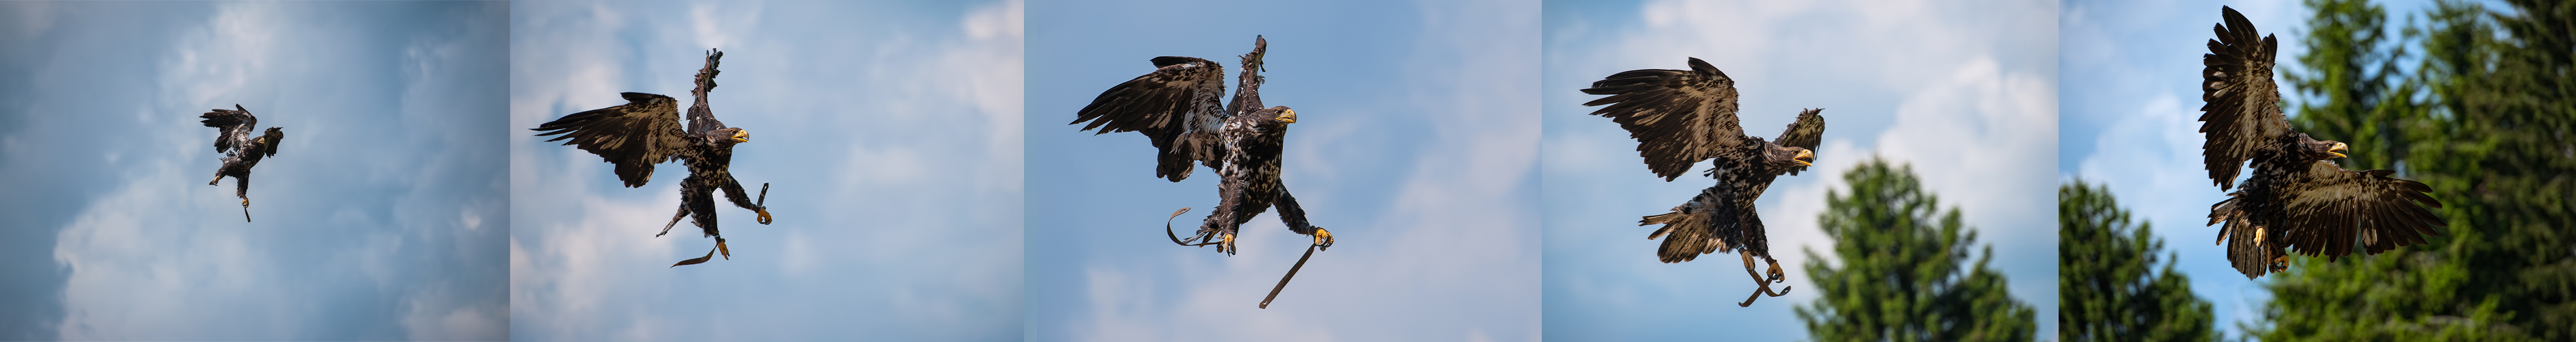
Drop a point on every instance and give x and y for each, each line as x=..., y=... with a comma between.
x=1177, y=107
x=1806, y=133
x=701, y=117
x=2338, y=207
x=634, y=136
x=268, y=147
x=1679, y=117
x=233, y=126
x=2243, y=109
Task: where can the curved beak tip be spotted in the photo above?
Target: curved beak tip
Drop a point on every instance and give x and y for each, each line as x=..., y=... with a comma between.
x=1289, y=116
x=741, y=136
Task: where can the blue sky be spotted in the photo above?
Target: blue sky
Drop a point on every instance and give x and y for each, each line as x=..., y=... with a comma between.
x=379, y=218
x=1415, y=144
x=2131, y=104
x=889, y=130
x=1965, y=93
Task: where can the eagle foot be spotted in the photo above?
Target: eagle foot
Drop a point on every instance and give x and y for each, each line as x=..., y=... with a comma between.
x=1225, y=244
x=764, y=215
x=1323, y=238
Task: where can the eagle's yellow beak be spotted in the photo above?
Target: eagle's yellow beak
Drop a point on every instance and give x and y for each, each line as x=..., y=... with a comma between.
x=1288, y=116
x=1805, y=158
x=2337, y=150
x=742, y=136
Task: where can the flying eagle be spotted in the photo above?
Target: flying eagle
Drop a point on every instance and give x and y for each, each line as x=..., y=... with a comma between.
x=241, y=150
x=646, y=131
x=2296, y=199
x=1681, y=117
x=1176, y=107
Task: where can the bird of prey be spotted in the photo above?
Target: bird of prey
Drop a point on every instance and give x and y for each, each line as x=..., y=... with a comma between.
x=646, y=131
x=1681, y=117
x=241, y=150
x=1176, y=107
x=2296, y=199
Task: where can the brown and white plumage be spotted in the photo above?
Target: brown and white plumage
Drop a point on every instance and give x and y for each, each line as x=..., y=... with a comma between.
x=1178, y=108
x=241, y=149
x=2297, y=200
x=647, y=131
x=1682, y=117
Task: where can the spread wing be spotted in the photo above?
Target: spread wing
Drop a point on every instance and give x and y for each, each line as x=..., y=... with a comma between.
x=2243, y=107
x=232, y=125
x=1808, y=131
x=1177, y=107
x=2339, y=207
x=701, y=117
x=634, y=136
x=275, y=137
x=1679, y=117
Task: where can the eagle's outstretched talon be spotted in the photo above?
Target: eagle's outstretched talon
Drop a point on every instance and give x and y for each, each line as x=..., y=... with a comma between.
x=1323, y=238
x=1226, y=244
x=720, y=247
x=764, y=215
x=1776, y=275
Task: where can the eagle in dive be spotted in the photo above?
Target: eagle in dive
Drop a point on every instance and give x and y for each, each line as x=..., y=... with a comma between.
x=1681, y=117
x=2296, y=199
x=241, y=150
x=1176, y=107
x=646, y=131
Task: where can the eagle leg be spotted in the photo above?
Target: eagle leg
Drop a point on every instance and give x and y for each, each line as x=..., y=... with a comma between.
x=675, y=220
x=1176, y=238
x=241, y=187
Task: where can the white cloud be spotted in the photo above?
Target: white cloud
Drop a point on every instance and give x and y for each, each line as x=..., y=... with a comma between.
x=333, y=251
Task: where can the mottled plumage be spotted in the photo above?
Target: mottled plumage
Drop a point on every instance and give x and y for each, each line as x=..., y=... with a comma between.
x=1176, y=107
x=241, y=150
x=2296, y=200
x=1681, y=117
x=647, y=131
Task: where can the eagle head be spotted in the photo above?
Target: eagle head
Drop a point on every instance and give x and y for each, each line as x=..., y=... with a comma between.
x=1784, y=158
x=1286, y=115
x=739, y=135
x=268, y=142
x=2312, y=149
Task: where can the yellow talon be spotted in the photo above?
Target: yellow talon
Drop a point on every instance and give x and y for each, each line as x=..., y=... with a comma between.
x=764, y=216
x=1323, y=237
x=720, y=247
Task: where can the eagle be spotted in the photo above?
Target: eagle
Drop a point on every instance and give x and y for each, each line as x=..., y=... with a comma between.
x=646, y=131
x=241, y=149
x=1176, y=107
x=2297, y=200
x=1681, y=117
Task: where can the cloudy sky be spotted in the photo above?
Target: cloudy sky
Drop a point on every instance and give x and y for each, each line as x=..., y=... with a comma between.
x=890, y=132
x=1415, y=144
x=1963, y=92
x=2131, y=105
x=379, y=218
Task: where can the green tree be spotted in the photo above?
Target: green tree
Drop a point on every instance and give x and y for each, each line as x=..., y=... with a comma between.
x=2350, y=74
x=1904, y=274
x=2489, y=133
x=2109, y=286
